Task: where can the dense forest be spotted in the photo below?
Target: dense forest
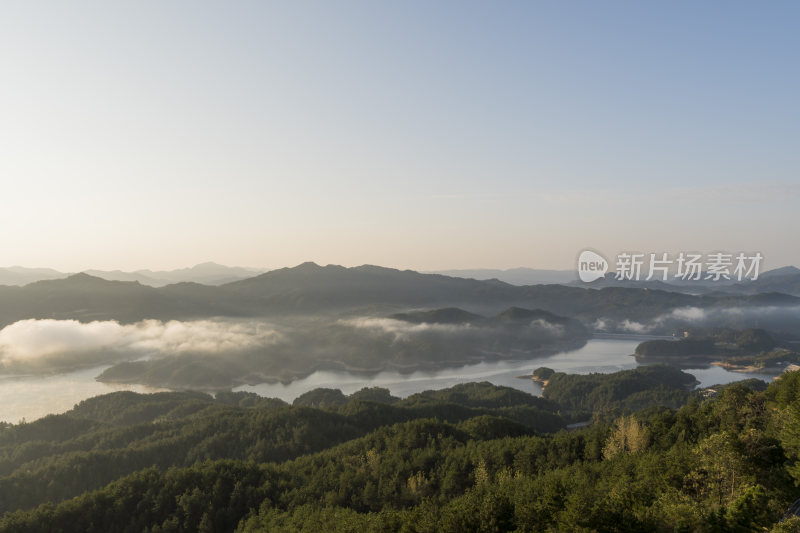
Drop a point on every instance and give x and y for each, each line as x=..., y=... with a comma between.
x=710, y=341
x=475, y=457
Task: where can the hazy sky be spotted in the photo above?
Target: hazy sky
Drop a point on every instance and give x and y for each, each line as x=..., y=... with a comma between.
x=423, y=135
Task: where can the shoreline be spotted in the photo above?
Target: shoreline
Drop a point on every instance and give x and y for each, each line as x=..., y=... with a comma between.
x=701, y=362
x=254, y=378
x=681, y=361
x=753, y=369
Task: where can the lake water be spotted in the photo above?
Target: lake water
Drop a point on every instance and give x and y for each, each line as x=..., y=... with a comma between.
x=32, y=397
x=605, y=355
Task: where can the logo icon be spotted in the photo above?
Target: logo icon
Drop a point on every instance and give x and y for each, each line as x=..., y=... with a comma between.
x=591, y=266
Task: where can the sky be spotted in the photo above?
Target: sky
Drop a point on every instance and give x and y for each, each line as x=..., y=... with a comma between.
x=423, y=135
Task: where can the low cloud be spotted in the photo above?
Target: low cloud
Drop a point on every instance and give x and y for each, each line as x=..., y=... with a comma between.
x=30, y=343
x=400, y=329
x=556, y=330
x=776, y=318
x=632, y=326
x=690, y=314
x=463, y=335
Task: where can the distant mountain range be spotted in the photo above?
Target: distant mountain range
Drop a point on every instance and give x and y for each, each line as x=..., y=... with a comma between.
x=514, y=276
x=369, y=318
x=784, y=279
x=205, y=273
x=310, y=289
x=17, y=275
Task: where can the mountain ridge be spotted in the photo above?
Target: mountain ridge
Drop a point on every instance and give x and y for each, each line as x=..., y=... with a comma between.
x=208, y=273
x=311, y=289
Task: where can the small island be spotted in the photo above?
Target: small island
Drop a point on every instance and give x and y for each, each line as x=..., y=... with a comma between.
x=775, y=361
x=541, y=375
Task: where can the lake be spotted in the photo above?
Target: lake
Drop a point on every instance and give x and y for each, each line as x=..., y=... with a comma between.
x=605, y=355
x=32, y=397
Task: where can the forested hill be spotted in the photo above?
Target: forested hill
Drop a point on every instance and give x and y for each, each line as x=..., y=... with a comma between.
x=471, y=458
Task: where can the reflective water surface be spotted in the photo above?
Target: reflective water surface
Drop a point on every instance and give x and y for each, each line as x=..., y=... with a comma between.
x=32, y=397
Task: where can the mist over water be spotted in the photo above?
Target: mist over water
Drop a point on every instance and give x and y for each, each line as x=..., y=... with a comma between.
x=774, y=317
x=48, y=345
x=35, y=396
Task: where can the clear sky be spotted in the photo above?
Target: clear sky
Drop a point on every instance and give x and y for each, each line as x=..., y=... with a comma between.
x=424, y=135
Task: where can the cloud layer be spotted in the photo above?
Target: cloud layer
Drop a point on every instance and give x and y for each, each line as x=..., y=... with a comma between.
x=30, y=343
x=778, y=318
x=399, y=329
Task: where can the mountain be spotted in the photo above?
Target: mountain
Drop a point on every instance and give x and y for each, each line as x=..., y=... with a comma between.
x=313, y=287
x=448, y=315
x=786, y=280
x=305, y=289
x=331, y=317
x=610, y=280
x=782, y=271
x=17, y=275
x=86, y=298
x=513, y=276
x=205, y=273
x=517, y=314
x=310, y=289
x=119, y=275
